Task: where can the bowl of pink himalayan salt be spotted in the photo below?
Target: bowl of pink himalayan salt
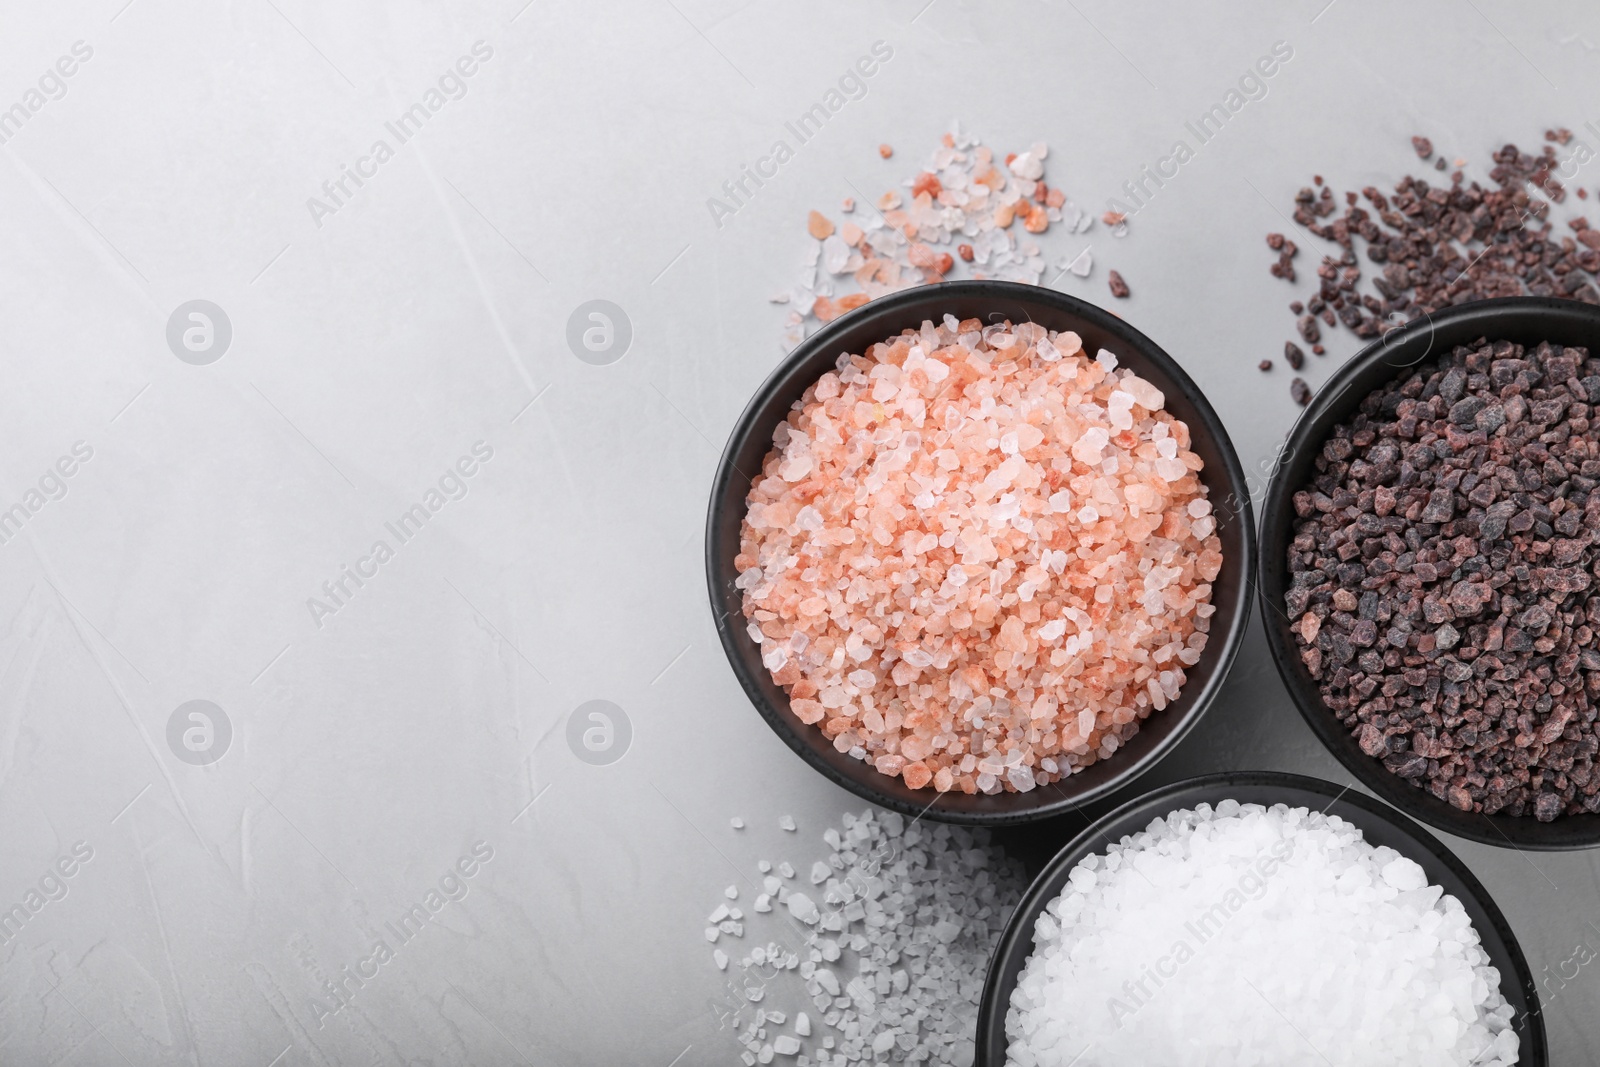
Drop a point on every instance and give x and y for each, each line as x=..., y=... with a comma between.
x=978, y=551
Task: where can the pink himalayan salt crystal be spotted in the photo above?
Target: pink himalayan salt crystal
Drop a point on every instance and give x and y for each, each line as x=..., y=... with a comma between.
x=977, y=557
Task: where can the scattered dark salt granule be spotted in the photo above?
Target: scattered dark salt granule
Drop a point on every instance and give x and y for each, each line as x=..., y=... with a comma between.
x=1300, y=391
x=1441, y=242
x=1119, y=288
x=1294, y=355
x=1443, y=589
x=1265, y=364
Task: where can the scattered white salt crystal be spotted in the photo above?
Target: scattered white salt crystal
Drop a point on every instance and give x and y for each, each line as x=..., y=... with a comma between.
x=712, y=933
x=1027, y=165
x=787, y=823
x=891, y=941
x=718, y=915
x=763, y=903
x=803, y=908
x=1106, y=358
x=820, y=872
x=835, y=253
x=732, y=892
x=736, y=822
x=720, y=958
x=1082, y=264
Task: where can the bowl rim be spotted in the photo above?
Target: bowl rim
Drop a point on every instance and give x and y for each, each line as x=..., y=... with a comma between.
x=920, y=303
x=1017, y=934
x=1333, y=403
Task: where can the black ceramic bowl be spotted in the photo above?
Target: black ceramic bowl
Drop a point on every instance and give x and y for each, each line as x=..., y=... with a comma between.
x=1380, y=825
x=992, y=302
x=1524, y=320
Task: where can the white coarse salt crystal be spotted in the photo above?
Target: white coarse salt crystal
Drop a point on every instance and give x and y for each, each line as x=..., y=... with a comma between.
x=802, y=1024
x=1106, y=358
x=787, y=823
x=835, y=253
x=785, y=1045
x=803, y=908
x=1145, y=394
x=1170, y=470
x=1082, y=265
x=736, y=822
x=720, y=958
x=732, y=892
x=1404, y=874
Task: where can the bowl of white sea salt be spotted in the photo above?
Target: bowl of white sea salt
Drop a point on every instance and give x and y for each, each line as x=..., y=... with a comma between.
x=1258, y=918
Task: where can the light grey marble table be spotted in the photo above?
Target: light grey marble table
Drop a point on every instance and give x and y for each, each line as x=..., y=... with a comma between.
x=383, y=725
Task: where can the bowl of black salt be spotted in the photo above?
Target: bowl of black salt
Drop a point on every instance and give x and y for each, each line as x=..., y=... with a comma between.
x=1430, y=570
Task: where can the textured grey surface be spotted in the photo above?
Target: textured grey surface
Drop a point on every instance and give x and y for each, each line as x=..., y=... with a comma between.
x=376, y=745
